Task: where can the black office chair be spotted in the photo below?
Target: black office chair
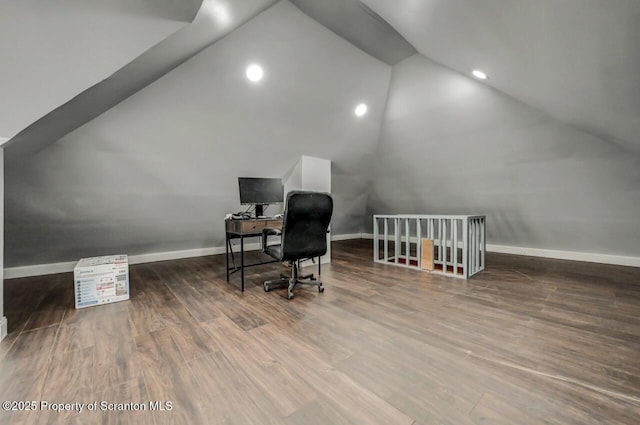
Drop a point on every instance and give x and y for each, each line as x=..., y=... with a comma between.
x=303, y=236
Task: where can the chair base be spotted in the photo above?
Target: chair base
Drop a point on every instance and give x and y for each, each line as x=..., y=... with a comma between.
x=290, y=282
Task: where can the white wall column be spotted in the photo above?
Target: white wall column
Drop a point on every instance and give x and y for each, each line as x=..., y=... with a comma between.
x=3, y=320
x=311, y=173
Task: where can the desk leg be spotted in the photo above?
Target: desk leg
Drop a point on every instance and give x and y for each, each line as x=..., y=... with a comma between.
x=242, y=261
x=232, y=256
x=226, y=248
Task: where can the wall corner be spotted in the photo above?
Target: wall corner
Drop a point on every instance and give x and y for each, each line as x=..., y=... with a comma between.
x=3, y=320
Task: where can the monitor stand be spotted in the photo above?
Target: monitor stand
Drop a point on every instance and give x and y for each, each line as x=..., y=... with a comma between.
x=259, y=210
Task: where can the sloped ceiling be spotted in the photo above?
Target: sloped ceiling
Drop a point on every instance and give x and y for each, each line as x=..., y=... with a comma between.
x=214, y=20
x=577, y=60
x=356, y=23
x=52, y=50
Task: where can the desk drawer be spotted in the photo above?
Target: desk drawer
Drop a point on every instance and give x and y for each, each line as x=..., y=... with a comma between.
x=246, y=227
x=257, y=225
x=252, y=226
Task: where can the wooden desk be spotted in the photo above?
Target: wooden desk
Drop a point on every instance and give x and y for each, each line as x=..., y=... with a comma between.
x=241, y=229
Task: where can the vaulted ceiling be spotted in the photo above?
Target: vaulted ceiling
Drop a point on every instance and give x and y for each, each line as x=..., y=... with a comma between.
x=51, y=51
x=214, y=19
x=576, y=60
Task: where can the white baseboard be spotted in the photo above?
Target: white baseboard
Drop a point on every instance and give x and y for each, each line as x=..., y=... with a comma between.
x=3, y=327
x=52, y=268
x=618, y=260
x=38, y=270
x=346, y=237
x=590, y=257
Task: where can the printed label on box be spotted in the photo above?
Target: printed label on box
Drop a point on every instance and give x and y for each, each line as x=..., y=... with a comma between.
x=101, y=280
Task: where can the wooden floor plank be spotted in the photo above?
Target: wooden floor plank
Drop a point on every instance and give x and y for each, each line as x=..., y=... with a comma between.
x=527, y=341
x=285, y=390
x=23, y=372
x=76, y=330
x=115, y=359
x=168, y=378
x=228, y=396
x=143, y=315
x=53, y=306
x=344, y=392
x=129, y=393
x=66, y=384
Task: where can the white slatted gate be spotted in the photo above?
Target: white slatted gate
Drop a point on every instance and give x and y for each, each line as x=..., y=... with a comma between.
x=459, y=242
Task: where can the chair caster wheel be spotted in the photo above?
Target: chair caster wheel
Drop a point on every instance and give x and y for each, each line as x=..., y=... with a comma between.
x=289, y=296
x=320, y=289
x=267, y=288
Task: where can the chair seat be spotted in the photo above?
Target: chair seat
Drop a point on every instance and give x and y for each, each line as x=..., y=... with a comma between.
x=274, y=251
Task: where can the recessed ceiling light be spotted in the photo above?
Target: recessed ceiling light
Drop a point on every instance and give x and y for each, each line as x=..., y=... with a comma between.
x=254, y=72
x=361, y=109
x=479, y=74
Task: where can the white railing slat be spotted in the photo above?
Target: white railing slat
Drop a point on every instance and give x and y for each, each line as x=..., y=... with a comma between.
x=444, y=231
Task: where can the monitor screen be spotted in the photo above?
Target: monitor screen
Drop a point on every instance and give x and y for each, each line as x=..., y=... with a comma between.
x=260, y=191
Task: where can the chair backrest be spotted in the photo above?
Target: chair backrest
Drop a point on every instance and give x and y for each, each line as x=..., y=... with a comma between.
x=306, y=220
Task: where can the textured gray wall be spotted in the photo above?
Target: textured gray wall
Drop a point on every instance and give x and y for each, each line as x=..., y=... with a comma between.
x=159, y=171
x=451, y=145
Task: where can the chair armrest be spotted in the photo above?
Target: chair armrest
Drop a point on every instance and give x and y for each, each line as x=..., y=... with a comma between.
x=266, y=232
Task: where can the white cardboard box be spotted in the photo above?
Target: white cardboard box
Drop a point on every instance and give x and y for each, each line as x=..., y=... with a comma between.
x=101, y=280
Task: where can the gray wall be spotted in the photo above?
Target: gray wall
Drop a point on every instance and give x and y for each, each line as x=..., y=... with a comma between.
x=451, y=145
x=158, y=172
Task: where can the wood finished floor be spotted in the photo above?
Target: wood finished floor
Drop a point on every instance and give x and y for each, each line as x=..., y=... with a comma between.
x=528, y=341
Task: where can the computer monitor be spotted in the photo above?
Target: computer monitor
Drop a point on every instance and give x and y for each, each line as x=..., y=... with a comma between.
x=260, y=191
